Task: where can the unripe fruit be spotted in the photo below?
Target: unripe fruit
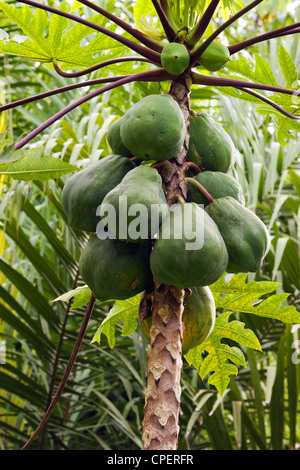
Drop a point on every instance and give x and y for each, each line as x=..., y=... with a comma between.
x=175, y=58
x=215, y=56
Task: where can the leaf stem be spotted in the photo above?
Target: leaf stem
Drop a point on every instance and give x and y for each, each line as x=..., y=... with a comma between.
x=201, y=79
x=63, y=89
x=193, y=165
x=170, y=33
x=195, y=56
x=68, y=370
x=99, y=66
x=200, y=187
x=271, y=103
x=70, y=107
x=203, y=23
x=144, y=51
x=286, y=30
x=139, y=35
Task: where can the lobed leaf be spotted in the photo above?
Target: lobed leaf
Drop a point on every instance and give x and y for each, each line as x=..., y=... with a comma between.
x=125, y=311
x=237, y=295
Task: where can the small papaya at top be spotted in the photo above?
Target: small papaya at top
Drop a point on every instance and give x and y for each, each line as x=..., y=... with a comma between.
x=189, y=250
x=245, y=235
x=115, y=270
x=218, y=185
x=198, y=318
x=215, y=56
x=140, y=204
x=175, y=58
x=85, y=190
x=154, y=128
x=114, y=139
x=210, y=146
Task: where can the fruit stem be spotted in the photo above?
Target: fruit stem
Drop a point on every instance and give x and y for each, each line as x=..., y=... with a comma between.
x=200, y=187
x=193, y=165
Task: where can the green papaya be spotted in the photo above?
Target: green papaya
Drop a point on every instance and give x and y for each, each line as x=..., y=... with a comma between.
x=175, y=58
x=198, y=318
x=114, y=139
x=115, y=270
x=139, y=203
x=189, y=250
x=215, y=56
x=85, y=190
x=154, y=128
x=245, y=235
x=210, y=146
x=218, y=185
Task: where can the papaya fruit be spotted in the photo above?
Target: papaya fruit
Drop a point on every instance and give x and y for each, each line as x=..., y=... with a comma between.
x=115, y=270
x=154, y=128
x=215, y=56
x=245, y=235
x=218, y=185
x=140, y=204
x=189, y=250
x=175, y=58
x=85, y=190
x=198, y=318
x=210, y=146
x=114, y=139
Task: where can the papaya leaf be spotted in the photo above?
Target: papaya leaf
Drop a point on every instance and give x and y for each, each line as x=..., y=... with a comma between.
x=66, y=43
x=33, y=167
x=262, y=73
x=125, y=311
x=81, y=296
x=237, y=295
x=215, y=362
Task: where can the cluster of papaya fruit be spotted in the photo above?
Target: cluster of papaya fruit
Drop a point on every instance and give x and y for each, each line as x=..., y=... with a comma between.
x=234, y=239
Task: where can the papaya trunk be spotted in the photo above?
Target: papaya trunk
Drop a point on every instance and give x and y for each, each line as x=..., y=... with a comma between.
x=162, y=398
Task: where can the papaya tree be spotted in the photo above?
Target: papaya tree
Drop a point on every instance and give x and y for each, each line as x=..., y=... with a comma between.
x=166, y=154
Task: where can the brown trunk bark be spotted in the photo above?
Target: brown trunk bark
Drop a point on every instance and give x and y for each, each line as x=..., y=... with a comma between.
x=162, y=398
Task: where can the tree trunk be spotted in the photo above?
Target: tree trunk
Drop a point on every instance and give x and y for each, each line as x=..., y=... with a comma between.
x=162, y=399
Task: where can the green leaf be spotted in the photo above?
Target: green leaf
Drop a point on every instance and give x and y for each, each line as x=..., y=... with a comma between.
x=262, y=73
x=288, y=68
x=237, y=295
x=81, y=296
x=125, y=311
x=35, y=167
x=215, y=362
x=64, y=41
